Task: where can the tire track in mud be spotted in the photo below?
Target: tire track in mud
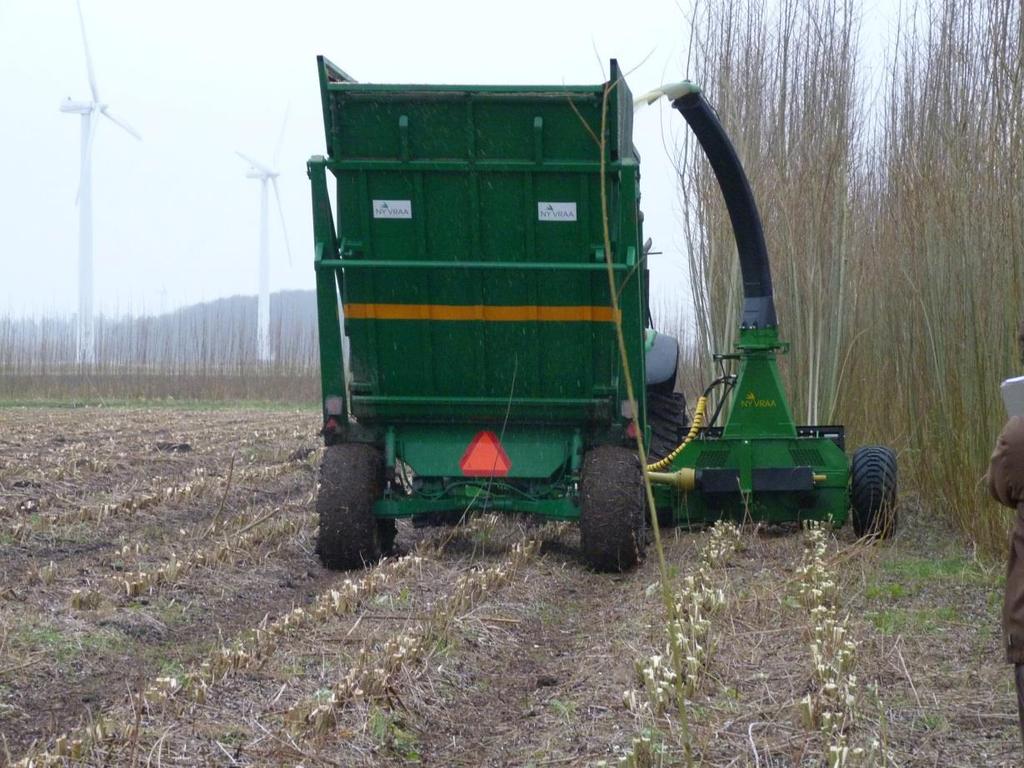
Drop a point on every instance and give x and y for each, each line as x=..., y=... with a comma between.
x=542, y=679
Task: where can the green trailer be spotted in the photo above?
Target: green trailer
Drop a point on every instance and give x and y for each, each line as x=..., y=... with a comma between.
x=468, y=350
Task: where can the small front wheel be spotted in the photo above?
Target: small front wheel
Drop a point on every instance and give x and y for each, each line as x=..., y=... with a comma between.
x=350, y=483
x=612, y=509
x=873, y=476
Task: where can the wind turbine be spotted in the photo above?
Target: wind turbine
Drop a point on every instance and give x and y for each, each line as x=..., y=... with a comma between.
x=266, y=174
x=90, y=112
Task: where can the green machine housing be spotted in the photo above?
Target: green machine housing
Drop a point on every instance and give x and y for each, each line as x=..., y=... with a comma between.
x=467, y=333
x=760, y=465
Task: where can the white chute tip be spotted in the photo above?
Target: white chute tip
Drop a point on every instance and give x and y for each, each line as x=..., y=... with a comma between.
x=672, y=90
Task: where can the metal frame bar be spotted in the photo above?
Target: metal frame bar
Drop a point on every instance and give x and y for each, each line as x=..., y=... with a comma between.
x=563, y=508
x=498, y=166
x=488, y=265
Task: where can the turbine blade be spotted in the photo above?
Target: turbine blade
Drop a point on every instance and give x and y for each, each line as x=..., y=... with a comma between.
x=119, y=122
x=280, y=211
x=88, y=56
x=280, y=136
x=87, y=157
x=257, y=165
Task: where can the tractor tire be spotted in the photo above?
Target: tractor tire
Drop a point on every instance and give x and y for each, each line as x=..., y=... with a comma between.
x=387, y=530
x=350, y=483
x=439, y=519
x=612, y=509
x=666, y=416
x=873, y=477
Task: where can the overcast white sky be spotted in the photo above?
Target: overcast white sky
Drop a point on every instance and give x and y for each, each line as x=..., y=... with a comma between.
x=175, y=218
x=199, y=80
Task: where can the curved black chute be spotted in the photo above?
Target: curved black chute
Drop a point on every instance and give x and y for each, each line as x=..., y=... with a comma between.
x=758, y=302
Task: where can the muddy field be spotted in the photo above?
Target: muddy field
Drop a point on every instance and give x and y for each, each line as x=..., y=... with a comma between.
x=161, y=604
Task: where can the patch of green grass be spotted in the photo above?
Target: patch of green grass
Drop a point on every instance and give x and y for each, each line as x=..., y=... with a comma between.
x=902, y=577
x=323, y=695
x=232, y=737
x=556, y=613
x=887, y=591
x=564, y=709
x=994, y=600
x=446, y=644
x=65, y=646
x=699, y=712
x=171, y=668
x=5, y=708
x=168, y=610
x=921, y=570
x=933, y=721
x=388, y=732
x=286, y=670
x=894, y=621
x=402, y=600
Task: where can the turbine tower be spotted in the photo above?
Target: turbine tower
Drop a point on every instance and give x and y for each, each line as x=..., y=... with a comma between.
x=90, y=112
x=266, y=175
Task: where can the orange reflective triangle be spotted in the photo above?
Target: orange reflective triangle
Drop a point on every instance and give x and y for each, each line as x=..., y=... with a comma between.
x=485, y=457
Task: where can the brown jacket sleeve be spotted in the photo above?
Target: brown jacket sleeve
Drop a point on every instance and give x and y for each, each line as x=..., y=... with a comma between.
x=1006, y=468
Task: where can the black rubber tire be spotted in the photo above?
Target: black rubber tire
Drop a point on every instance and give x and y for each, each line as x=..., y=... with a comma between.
x=387, y=531
x=873, y=479
x=350, y=483
x=439, y=519
x=612, y=509
x=666, y=416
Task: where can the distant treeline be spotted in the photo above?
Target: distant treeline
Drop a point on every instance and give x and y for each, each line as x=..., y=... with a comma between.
x=201, y=351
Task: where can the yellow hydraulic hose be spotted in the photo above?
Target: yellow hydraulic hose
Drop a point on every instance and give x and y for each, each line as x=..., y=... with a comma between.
x=695, y=428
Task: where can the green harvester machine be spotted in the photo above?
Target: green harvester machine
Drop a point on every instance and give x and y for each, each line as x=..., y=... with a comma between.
x=468, y=349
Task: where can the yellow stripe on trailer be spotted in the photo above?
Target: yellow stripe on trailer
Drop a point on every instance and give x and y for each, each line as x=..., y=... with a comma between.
x=480, y=312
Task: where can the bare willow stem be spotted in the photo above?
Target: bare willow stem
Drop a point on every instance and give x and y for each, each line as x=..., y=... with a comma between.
x=666, y=585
